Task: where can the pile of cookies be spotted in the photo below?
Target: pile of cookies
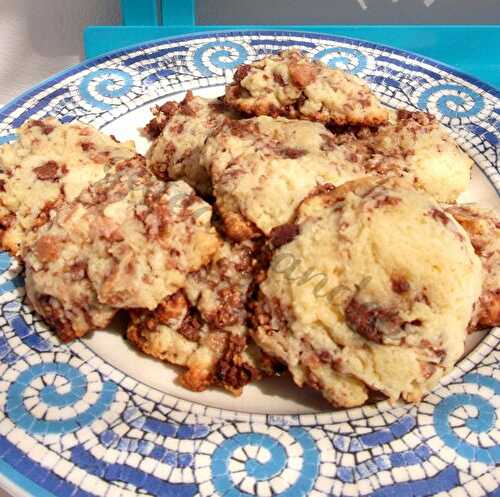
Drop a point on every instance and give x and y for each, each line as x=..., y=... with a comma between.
x=293, y=224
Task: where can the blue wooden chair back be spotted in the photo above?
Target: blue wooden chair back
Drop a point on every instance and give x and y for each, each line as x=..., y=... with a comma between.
x=472, y=49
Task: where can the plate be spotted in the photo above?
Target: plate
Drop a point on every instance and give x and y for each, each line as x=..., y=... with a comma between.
x=96, y=418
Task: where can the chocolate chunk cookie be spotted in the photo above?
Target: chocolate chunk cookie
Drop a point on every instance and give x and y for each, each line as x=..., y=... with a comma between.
x=128, y=241
x=203, y=326
x=179, y=130
x=415, y=145
x=262, y=168
x=290, y=84
x=374, y=293
x=483, y=227
x=49, y=164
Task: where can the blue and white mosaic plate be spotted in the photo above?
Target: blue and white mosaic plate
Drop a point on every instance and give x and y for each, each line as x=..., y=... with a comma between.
x=94, y=418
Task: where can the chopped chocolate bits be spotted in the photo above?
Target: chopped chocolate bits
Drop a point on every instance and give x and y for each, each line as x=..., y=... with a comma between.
x=43, y=125
x=399, y=284
x=302, y=74
x=241, y=73
x=48, y=171
x=370, y=321
x=439, y=216
x=283, y=234
x=292, y=153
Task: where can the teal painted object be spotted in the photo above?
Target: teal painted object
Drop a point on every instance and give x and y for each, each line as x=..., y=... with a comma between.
x=178, y=12
x=471, y=49
x=136, y=13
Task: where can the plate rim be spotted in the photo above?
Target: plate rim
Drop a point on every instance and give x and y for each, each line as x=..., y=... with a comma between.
x=54, y=78
x=7, y=471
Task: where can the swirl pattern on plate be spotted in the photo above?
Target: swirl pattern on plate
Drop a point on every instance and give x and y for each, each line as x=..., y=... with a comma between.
x=142, y=440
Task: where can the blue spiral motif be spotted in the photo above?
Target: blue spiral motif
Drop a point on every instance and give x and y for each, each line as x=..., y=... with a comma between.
x=482, y=423
x=51, y=397
x=219, y=56
x=5, y=261
x=275, y=463
x=99, y=87
x=10, y=273
x=348, y=59
x=453, y=100
x=7, y=138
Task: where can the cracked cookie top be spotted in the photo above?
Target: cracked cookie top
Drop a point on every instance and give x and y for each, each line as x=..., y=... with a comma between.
x=128, y=241
x=372, y=292
x=49, y=163
x=290, y=84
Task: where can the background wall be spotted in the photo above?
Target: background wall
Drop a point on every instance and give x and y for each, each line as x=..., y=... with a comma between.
x=41, y=37
x=349, y=11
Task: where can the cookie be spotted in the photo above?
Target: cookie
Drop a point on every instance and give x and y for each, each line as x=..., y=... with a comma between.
x=203, y=327
x=417, y=146
x=262, y=168
x=290, y=84
x=483, y=227
x=179, y=130
x=128, y=241
x=373, y=293
x=50, y=163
